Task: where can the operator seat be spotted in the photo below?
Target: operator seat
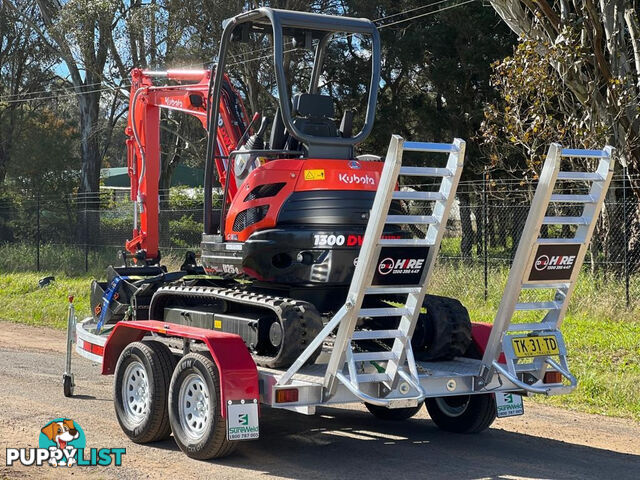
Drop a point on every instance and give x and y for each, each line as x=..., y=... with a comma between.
x=313, y=114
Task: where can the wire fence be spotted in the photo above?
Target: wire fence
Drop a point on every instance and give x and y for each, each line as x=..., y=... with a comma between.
x=47, y=232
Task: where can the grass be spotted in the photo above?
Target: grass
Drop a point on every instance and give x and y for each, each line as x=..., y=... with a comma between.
x=22, y=301
x=71, y=260
x=602, y=336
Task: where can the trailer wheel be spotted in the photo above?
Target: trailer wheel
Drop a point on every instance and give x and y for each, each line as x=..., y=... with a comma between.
x=463, y=413
x=393, y=414
x=140, y=391
x=195, y=410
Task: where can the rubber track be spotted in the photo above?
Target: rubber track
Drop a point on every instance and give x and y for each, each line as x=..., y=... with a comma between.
x=300, y=320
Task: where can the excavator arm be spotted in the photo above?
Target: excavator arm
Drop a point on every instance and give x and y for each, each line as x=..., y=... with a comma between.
x=143, y=142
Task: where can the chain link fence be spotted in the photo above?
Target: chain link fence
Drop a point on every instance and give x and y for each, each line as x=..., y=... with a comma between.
x=46, y=233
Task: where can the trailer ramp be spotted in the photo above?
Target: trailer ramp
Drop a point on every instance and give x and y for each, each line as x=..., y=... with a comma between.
x=399, y=267
x=547, y=262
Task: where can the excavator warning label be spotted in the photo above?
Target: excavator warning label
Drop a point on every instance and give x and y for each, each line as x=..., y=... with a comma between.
x=400, y=266
x=314, y=174
x=554, y=262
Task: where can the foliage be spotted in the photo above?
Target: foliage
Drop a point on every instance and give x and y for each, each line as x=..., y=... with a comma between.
x=25, y=65
x=185, y=198
x=185, y=232
x=594, y=50
x=536, y=108
x=50, y=164
x=435, y=75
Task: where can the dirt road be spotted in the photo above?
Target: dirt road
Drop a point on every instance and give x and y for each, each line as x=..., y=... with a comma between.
x=336, y=443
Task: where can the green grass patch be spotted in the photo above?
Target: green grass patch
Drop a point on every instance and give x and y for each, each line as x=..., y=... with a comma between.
x=71, y=260
x=22, y=301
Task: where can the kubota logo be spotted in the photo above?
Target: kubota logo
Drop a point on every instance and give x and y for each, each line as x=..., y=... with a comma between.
x=352, y=178
x=555, y=262
x=173, y=102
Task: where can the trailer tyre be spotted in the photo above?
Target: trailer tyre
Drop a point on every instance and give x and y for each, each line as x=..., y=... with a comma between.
x=141, y=389
x=463, y=413
x=393, y=414
x=195, y=409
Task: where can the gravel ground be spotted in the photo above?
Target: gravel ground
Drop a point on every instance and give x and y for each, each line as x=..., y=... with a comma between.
x=335, y=443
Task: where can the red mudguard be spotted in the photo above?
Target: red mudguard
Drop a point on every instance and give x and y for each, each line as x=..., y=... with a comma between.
x=238, y=372
x=480, y=335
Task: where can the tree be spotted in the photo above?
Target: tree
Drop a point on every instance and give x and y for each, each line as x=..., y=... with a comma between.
x=25, y=66
x=535, y=108
x=435, y=79
x=601, y=61
x=589, y=56
x=77, y=32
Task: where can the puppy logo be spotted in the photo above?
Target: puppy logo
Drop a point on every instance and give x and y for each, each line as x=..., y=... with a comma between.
x=63, y=437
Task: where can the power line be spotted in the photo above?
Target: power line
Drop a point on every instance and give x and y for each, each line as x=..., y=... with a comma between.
x=410, y=10
x=70, y=94
x=426, y=14
x=2, y=97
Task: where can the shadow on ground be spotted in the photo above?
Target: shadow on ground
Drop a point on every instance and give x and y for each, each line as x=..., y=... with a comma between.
x=339, y=443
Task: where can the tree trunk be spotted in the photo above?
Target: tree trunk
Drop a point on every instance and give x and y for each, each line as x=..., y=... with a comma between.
x=89, y=203
x=478, y=211
x=3, y=165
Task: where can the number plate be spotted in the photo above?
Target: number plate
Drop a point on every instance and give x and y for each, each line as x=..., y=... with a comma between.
x=509, y=404
x=535, y=346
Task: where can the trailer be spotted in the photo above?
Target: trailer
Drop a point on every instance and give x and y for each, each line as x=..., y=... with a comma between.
x=204, y=386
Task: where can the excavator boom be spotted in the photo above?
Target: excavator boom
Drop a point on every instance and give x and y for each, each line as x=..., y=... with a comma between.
x=143, y=142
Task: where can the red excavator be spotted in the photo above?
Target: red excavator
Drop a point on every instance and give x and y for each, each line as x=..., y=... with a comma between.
x=279, y=254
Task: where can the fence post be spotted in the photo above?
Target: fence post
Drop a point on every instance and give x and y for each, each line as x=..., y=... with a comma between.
x=485, y=228
x=86, y=235
x=38, y=237
x=626, y=235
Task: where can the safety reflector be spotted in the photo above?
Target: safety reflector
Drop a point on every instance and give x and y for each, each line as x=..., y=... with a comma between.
x=91, y=347
x=553, y=377
x=287, y=395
